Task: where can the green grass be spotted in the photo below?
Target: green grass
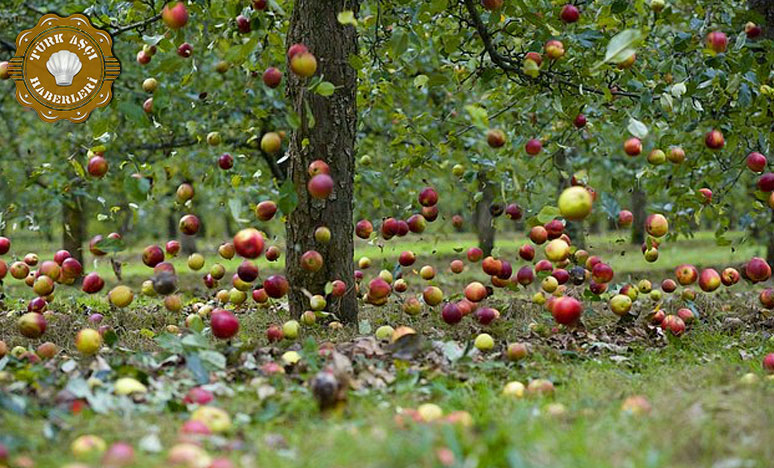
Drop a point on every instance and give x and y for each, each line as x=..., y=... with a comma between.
x=702, y=414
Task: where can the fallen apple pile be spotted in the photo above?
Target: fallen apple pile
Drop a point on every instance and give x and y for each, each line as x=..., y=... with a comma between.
x=174, y=340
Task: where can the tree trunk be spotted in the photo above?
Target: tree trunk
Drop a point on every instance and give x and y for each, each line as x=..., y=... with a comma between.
x=483, y=218
x=639, y=200
x=764, y=8
x=770, y=243
x=314, y=23
x=73, y=227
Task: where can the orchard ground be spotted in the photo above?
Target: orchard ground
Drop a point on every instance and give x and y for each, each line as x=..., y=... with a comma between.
x=705, y=408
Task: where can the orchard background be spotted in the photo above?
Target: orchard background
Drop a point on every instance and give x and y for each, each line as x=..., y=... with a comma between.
x=305, y=223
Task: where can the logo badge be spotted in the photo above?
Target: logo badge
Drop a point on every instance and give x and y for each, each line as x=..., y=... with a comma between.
x=64, y=68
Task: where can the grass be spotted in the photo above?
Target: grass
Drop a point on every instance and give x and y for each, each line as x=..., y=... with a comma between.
x=701, y=416
x=702, y=413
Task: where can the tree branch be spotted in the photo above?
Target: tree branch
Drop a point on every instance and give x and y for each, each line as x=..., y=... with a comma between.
x=511, y=65
x=138, y=25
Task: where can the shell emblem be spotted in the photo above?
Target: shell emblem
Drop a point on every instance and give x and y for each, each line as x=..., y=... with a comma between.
x=64, y=65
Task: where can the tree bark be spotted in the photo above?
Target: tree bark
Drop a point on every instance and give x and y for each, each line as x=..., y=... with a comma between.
x=314, y=23
x=73, y=227
x=483, y=217
x=764, y=8
x=639, y=200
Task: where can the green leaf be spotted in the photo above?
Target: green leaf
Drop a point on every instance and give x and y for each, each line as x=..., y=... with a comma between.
x=287, y=197
x=78, y=168
x=194, y=364
x=326, y=88
x=478, y=115
x=548, y=213
x=420, y=80
x=236, y=207
x=137, y=188
x=111, y=245
x=622, y=46
x=347, y=17
x=212, y=359
x=637, y=128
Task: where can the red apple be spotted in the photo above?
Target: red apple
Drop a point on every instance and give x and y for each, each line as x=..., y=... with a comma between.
x=525, y=276
x=717, y=41
x=225, y=161
x=338, y=288
x=428, y=197
x=757, y=270
x=656, y=225
x=475, y=254
x=756, y=162
x=224, y=324
x=579, y=121
x=248, y=243
x=97, y=167
x=247, y=271
x=311, y=261
x=320, y=186
x=706, y=195
x=451, y=314
x=686, y=274
x=92, y=283
x=189, y=224
x=766, y=297
x=272, y=77
x=709, y=280
x=554, y=49
x=633, y=146
x=274, y=333
x=535, y=57
x=32, y=325
x=768, y=363
x=416, y=224
x=495, y=138
x=185, y=50
x=752, y=30
x=533, y=146
x=602, y=273
x=486, y=315
x=276, y=286
x=172, y=248
x=364, y=229
x=566, y=310
x=265, y=210
x=407, y=258
x=475, y=292
x=674, y=324
x=143, y=58
x=714, y=140
x=174, y=15
x=492, y=5
x=668, y=286
x=527, y=252
x=5, y=245
x=729, y=276
x=766, y=182
x=569, y=13
x=152, y=255
x=243, y=24
x=303, y=64
x=538, y=235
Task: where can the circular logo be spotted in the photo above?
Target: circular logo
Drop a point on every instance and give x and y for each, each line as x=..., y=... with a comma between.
x=64, y=68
